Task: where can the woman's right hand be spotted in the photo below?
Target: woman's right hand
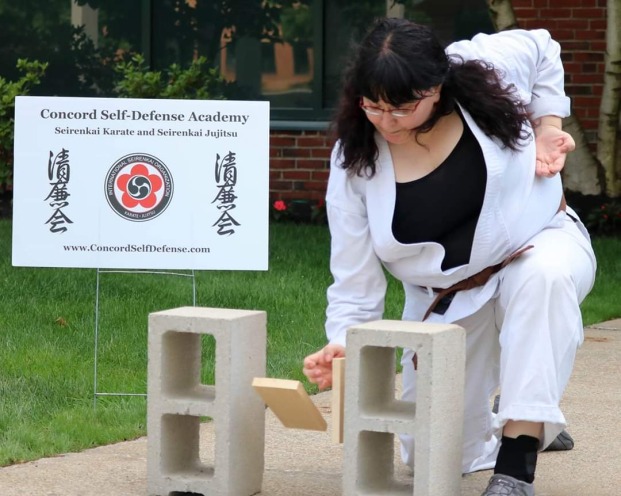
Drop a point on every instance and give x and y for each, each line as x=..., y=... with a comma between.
x=318, y=365
x=552, y=145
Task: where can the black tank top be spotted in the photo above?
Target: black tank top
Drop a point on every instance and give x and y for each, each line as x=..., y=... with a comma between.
x=444, y=205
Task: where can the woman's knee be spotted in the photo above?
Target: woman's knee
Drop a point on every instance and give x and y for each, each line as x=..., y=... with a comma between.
x=539, y=275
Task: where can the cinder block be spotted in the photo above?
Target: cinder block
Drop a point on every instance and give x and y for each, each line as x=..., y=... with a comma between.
x=177, y=400
x=373, y=415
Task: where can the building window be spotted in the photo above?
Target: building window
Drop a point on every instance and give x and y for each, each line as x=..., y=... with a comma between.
x=291, y=53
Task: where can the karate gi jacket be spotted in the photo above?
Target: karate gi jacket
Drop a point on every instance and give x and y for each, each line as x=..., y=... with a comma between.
x=517, y=203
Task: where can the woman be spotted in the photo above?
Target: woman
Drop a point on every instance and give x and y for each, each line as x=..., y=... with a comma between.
x=445, y=173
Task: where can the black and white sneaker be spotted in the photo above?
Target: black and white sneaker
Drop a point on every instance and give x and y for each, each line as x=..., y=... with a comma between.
x=505, y=485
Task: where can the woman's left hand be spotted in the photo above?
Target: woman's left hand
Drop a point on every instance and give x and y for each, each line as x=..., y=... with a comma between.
x=552, y=145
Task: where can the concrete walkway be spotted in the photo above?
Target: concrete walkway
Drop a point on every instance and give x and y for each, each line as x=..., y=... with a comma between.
x=305, y=463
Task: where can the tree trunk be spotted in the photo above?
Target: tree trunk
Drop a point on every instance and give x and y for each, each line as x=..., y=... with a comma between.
x=502, y=14
x=581, y=169
x=608, y=132
x=582, y=173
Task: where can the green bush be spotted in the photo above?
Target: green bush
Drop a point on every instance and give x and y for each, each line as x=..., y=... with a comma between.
x=33, y=72
x=299, y=211
x=605, y=219
x=197, y=82
x=134, y=80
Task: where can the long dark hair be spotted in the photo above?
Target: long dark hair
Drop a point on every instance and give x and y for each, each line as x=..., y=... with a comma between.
x=398, y=62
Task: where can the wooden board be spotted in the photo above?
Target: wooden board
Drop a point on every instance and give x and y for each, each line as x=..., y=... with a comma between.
x=290, y=403
x=338, y=398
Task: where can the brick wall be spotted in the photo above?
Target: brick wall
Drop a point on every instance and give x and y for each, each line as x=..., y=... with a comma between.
x=299, y=160
x=299, y=165
x=580, y=27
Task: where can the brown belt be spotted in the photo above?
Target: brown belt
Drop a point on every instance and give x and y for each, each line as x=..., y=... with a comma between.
x=480, y=278
x=473, y=281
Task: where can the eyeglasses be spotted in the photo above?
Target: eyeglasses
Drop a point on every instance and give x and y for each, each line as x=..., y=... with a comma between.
x=398, y=113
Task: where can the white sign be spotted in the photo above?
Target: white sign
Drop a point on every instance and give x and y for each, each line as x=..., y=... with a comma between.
x=141, y=184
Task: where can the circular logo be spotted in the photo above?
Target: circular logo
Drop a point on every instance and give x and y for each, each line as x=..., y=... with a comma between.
x=139, y=187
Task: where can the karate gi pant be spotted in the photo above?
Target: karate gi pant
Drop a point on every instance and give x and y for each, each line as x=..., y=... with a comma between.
x=522, y=342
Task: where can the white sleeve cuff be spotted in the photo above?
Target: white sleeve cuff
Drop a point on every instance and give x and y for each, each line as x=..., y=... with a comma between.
x=549, y=105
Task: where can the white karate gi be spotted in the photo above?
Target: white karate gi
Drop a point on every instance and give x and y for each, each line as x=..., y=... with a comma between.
x=524, y=325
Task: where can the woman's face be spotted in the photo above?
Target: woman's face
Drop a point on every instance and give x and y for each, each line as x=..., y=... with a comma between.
x=397, y=124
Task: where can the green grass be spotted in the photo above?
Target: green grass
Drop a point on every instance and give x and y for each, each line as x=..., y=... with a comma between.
x=604, y=301
x=47, y=334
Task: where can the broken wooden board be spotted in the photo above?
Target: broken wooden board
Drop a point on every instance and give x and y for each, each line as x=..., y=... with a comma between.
x=290, y=403
x=338, y=398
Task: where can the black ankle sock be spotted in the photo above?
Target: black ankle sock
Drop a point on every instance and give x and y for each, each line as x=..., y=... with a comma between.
x=518, y=457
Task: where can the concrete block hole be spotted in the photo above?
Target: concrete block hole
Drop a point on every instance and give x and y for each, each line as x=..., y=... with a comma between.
x=184, y=453
x=379, y=396
x=189, y=360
